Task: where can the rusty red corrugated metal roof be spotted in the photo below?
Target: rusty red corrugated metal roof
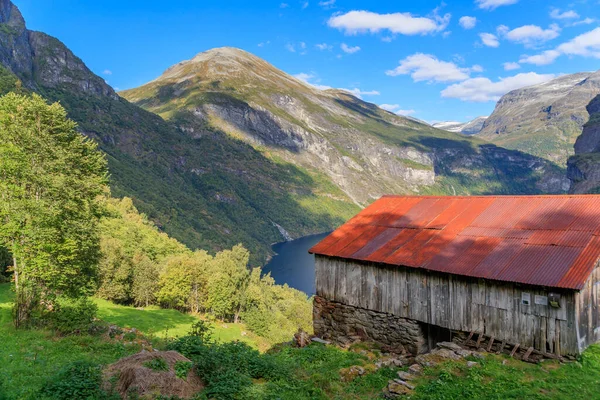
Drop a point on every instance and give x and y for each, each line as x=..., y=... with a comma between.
x=551, y=241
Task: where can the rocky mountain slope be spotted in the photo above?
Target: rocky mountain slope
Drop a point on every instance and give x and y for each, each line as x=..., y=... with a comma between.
x=545, y=119
x=468, y=128
x=584, y=167
x=362, y=149
x=204, y=188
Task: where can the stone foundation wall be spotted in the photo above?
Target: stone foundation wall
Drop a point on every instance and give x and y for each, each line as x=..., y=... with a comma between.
x=344, y=324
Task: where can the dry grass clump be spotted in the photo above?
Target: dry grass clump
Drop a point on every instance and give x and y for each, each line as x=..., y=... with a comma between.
x=150, y=374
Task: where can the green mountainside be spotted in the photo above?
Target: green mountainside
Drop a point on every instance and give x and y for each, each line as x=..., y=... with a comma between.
x=361, y=148
x=545, y=119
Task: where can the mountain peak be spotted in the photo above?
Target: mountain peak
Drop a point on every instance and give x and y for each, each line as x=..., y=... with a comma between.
x=10, y=14
x=220, y=61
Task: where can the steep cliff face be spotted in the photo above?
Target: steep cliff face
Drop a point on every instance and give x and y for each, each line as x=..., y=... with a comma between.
x=363, y=149
x=584, y=167
x=545, y=119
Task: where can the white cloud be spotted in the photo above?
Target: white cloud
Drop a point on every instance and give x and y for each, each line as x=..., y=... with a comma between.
x=349, y=49
x=327, y=3
x=359, y=93
x=354, y=22
x=263, y=44
x=395, y=108
x=483, y=89
x=467, y=22
x=290, y=47
x=405, y=113
x=493, y=4
x=489, y=39
x=389, y=107
x=586, y=44
x=585, y=21
x=107, y=72
x=284, y=5
x=323, y=46
x=544, y=58
x=502, y=29
x=309, y=80
x=477, y=68
x=532, y=35
x=304, y=4
x=509, y=66
x=556, y=14
x=303, y=76
x=426, y=67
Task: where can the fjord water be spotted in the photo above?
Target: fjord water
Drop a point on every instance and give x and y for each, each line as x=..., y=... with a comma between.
x=293, y=265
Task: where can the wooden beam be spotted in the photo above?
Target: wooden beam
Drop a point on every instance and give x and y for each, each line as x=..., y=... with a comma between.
x=527, y=353
x=479, y=339
x=490, y=344
x=514, y=350
x=501, y=348
x=469, y=338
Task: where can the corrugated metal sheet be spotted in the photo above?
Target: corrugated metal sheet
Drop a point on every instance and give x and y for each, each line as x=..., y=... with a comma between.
x=550, y=241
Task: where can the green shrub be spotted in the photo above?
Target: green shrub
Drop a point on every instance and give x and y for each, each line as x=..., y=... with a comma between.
x=182, y=368
x=78, y=380
x=228, y=369
x=73, y=316
x=157, y=364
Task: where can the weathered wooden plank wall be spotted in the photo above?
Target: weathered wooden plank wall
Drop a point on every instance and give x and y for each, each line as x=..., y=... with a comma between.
x=588, y=312
x=457, y=303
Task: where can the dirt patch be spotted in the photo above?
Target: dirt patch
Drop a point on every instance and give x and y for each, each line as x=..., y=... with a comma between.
x=152, y=373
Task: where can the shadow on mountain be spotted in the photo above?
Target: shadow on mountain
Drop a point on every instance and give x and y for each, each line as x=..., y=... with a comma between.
x=489, y=169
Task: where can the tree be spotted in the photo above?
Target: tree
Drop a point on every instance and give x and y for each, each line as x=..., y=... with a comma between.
x=183, y=281
x=52, y=182
x=145, y=280
x=227, y=282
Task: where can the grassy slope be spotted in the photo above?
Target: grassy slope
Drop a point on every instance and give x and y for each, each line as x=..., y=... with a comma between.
x=29, y=358
x=165, y=323
x=498, y=377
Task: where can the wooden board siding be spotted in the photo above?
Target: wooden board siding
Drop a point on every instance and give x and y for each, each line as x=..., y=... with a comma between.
x=588, y=312
x=454, y=302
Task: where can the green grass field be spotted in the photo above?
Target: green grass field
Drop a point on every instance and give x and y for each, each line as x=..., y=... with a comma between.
x=29, y=357
x=163, y=323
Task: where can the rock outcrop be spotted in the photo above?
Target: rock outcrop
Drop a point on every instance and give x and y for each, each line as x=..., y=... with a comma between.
x=583, y=168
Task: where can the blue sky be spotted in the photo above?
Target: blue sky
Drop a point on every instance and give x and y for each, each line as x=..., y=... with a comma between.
x=420, y=58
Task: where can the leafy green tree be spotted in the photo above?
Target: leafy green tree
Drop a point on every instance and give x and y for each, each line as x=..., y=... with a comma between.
x=115, y=271
x=227, y=283
x=145, y=280
x=51, y=184
x=183, y=281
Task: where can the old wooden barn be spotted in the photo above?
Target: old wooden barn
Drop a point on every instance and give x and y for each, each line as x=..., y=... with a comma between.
x=416, y=270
